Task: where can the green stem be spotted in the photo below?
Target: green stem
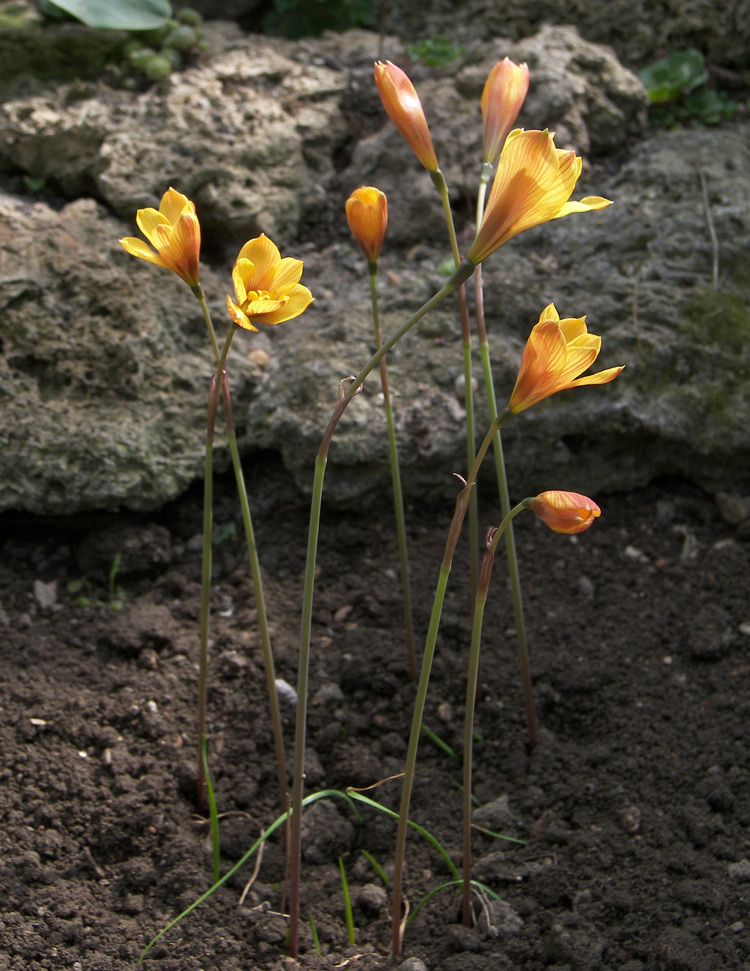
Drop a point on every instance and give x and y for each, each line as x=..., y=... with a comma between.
x=462, y=503
x=257, y=580
x=205, y=616
x=260, y=603
x=502, y=485
x=462, y=274
x=398, y=499
x=298, y=770
x=442, y=187
x=217, y=383
x=201, y=298
x=471, y=695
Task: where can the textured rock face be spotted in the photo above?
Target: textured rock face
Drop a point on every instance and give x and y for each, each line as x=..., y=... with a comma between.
x=642, y=273
x=249, y=136
x=639, y=30
x=105, y=362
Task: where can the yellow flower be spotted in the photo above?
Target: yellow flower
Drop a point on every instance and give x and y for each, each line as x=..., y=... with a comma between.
x=532, y=185
x=367, y=214
x=404, y=108
x=267, y=288
x=556, y=352
x=174, y=232
x=565, y=512
x=503, y=95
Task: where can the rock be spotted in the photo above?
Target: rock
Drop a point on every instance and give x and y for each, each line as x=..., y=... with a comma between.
x=143, y=550
x=638, y=30
x=372, y=898
x=106, y=363
x=326, y=834
x=496, y=815
x=740, y=871
x=498, y=919
x=112, y=141
x=711, y=634
x=734, y=509
x=45, y=594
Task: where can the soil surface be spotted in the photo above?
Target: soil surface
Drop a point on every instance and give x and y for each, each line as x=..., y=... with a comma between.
x=633, y=811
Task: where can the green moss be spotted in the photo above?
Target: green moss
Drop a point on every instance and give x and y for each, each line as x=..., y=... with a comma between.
x=718, y=321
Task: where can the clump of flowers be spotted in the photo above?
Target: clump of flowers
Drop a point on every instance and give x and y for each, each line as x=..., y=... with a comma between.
x=532, y=184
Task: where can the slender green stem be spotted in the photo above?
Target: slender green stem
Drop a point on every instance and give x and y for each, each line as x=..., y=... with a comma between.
x=398, y=499
x=463, y=307
x=205, y=616
x=502, y=485
x=462, y=503
x=462, y=274
x=213, y=813
x=201, y=298
x=472, y=681
x=260, y=604
x=298, y=771
x=257, y=580
x=217, y=383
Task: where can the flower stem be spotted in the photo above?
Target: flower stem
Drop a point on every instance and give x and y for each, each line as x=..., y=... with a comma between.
x=298, y=781
x=462, y=503
x=502, y=485
x=442, y=187
x=260, y=603
x=398, y=500
x=205, y=616
x=472, y=681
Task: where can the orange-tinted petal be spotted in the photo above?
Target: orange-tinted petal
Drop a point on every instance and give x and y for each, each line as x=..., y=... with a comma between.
x=404, y=108
x=565, y=512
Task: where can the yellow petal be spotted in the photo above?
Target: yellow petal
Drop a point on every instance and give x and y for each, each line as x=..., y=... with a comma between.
x=286, y=275
x=549, y=313
x=265, y=255
x=238, y=316
x=243, y=272
x=147, y=220
x=299, y=300
x=601, y=377
x=173, y=204
x=136, y=247
x=584, y=205
x=573, y=327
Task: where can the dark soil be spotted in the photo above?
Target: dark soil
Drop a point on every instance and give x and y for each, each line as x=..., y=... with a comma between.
x=634, y=807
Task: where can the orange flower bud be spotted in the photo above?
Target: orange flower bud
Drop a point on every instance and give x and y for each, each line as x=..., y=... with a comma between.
x=565, y=512
x=174, y=232
x=556, y=352
x=532, y=185
x=404, y=108
x=503, y=95
x=266, y=288
x=367, y=215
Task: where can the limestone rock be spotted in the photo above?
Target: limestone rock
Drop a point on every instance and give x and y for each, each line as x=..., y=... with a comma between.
x=104, y=363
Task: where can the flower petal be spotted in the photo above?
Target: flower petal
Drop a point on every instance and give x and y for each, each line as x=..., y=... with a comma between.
x=286, y=275
x=136, y=247
x=265, y=255
x=147, y=220
x=299, y=300
x=238, y=316
x=173, y=204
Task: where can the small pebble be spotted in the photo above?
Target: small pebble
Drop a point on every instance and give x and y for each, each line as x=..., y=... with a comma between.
x=740, y=871
x=286, y=692
x=372, y=898
x=412, y=964
x=45, y=594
